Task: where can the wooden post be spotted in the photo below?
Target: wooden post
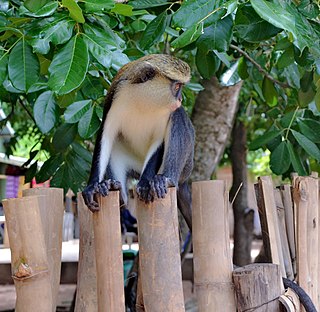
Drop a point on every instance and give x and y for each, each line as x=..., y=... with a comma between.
x=285, y=191
x=159, y=252
x=306, y=197
x=29, y=261
x=283, y=235
x=51, y=211
x=269, y=222
x=108, y=250
x=86, y=299
x=211, y=247
x=258, y=287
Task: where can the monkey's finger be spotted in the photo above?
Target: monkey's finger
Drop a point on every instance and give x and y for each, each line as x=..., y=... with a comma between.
x=103, y=188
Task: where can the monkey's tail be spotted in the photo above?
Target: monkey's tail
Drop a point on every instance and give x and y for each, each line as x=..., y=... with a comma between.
x=303, y=296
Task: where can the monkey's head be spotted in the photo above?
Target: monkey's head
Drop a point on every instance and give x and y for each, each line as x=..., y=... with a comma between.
x=154, y=80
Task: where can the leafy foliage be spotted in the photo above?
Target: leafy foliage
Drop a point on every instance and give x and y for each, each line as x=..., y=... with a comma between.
x=57, y=60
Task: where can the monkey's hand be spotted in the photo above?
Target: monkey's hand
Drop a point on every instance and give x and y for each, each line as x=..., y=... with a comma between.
x=156, y=187
x=91, y=192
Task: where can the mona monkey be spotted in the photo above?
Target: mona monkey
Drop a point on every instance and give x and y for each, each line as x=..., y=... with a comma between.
x=145, y=134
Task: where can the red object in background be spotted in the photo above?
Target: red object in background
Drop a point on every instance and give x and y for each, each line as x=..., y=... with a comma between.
x=35, y=184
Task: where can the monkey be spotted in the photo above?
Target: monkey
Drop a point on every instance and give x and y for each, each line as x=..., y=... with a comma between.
x=145, y=134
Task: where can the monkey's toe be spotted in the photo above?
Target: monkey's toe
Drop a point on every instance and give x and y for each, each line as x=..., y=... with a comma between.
x=143, y=191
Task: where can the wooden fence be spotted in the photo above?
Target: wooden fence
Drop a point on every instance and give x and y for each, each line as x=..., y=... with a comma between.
x=291, y=237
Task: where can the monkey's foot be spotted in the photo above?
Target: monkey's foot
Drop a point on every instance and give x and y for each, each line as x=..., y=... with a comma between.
x=91, y=192
x=157, y=187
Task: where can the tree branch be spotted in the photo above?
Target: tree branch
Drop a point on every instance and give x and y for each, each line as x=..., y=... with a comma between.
x=26, y=109
x=258, y=66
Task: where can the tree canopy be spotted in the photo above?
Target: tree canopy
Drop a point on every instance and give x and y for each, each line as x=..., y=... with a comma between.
x=57, y=60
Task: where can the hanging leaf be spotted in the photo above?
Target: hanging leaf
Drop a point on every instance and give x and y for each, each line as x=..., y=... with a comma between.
x=47, y=10
x=243, y=68
x=58, y=31
x=311, y=148
x=264, y=139
x=35, y=5
x=23, y=66
x=122, y=9
x=88, y=124
x=3, y=66
x=310, y=128
x=189, y=36
x=296, y=160
x=75, y=111
x=74, y=10
x=64, y=136
x=154, y=31
x=69, y=66
x=280, y=159
x=269, y=92
x=44, y=111
x=49, y=168
x=98, y=5
x=217, y=36
x=207, y=63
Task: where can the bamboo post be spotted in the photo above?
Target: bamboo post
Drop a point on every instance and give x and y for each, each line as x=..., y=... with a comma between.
x=285, y=191
x=269, y=222
x=159, y=252
x=258, y=287
x=86, y=299
x=51, y=211
x=108, y=251
x=283, y=235
x=211, y=247
x=306, y=197
x=29, y=261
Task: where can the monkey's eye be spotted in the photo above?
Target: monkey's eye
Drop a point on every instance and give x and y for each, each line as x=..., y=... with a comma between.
x=177, y=86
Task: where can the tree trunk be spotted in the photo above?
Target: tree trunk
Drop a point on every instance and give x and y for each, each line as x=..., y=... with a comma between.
x=243, y=216
x=213, y=117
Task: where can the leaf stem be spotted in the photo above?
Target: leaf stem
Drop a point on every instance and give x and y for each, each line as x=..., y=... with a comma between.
x=291, y=121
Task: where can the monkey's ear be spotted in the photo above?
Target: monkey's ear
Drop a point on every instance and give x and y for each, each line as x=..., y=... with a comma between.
x=146, y=73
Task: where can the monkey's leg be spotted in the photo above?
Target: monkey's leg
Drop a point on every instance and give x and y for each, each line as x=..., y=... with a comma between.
x=184, y=203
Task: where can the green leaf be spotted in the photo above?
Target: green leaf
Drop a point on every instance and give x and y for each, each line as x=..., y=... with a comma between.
x=317, y=100
x=92, y=88
x=122, y=9
x=35, y=5
x=49, y=168
x=207, y=63
x=296, y=160
x=82, y=152
x=31, y=172
x=251, y=27
x=264, y=139
x=47, y=10
x=118, y=60
x=280, y=159
x=146, y=4
x=98, y=5
x=189, y=36
x=191, y=12
x=58, y=31
x=75, y=111
x=269, y=92
x=88, y=124
x=154, y=31
x=217, y=36
x=44, y=111
x=62, y=178
x=23, y=66
x=100, y=48
x=243, y=68
x=69, y=66
x=310, y=128
x=64, y=136
x=3, y=66
x=307, y=145
x=74, y=10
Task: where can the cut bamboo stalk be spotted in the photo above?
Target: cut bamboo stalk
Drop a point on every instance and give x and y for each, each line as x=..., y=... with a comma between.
x=211, y=247
x=29, y=261
x=258, y=287
x=86, y=299
x=306, y=197
x=159, y=252
x=139, y=301
x=108, y=251
x=290, y=225
x=51, y=210
x=283, y=235
x=269, y=222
